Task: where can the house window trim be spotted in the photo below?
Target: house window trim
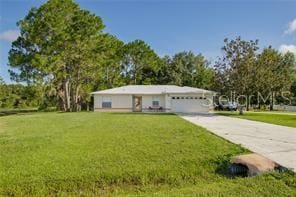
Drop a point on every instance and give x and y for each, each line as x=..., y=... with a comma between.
x=155, y=99
x=107, y=104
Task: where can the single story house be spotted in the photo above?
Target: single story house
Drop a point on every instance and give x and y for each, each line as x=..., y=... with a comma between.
x=153, y=98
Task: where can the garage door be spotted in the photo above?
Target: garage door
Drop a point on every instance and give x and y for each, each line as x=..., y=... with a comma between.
x=189, y=105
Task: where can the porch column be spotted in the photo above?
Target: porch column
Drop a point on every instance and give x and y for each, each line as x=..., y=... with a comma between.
x=167, y=103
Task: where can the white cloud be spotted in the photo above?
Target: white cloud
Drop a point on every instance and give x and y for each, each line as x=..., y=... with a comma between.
x=9, y=35
x=291, y=27
x=284, y=48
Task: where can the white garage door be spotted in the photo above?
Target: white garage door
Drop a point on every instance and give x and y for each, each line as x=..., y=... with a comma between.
x=189, y=105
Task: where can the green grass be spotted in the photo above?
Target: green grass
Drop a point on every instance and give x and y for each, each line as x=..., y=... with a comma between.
x=273, y=118
x=121, y=154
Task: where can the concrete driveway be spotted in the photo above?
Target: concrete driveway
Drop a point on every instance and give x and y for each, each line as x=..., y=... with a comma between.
x=277, y=143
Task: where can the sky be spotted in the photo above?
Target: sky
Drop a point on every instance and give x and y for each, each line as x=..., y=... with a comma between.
x=174, y=26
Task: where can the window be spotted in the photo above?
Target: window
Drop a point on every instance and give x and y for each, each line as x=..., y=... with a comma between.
x=155, y=101
x=178, y=98
x=106, y=102
x=173, y=97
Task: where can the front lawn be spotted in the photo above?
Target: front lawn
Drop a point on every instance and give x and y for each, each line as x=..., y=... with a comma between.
x=121, y=154
x=268, y=117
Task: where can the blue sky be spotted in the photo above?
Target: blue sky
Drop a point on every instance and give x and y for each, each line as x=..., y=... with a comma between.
x=173, y=26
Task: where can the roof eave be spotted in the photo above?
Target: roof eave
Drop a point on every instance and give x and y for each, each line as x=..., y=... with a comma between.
x=150, y=93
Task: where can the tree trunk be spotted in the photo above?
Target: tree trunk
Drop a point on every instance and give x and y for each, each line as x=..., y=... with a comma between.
x=247, y=104
x=75, y=102
x=135, y=78
x=67, y=100
x=241, y=110
x=271, y=103
x=61, y=99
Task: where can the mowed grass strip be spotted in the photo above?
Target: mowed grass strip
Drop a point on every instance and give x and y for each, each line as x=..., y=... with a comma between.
x=273, y=118
x=120, y=153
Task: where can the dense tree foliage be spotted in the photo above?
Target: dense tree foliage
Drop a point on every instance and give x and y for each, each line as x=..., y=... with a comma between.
x=237, y=67
x=111, y=68
x=20, y=96
x=60, y=44
x=257, y=76
x=188, y=69
x=140, y=63
x=293, y=91
x=274, y=73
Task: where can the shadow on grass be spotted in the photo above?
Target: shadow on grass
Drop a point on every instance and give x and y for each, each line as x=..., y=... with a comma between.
x=223, y=164
x=224, y=168
x=17, y=112
x=139, y=113
x=197, y=114
x=228, y=113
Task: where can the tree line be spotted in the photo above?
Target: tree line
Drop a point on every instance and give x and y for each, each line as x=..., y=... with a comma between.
x=258, y=77
x=63, y=54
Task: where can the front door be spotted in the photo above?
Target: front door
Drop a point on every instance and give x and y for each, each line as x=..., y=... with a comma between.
x=137, y=103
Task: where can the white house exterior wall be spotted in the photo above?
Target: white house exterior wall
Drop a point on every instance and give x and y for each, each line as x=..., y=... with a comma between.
x=147, y=101
x=194, y=104
x=119, y=103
